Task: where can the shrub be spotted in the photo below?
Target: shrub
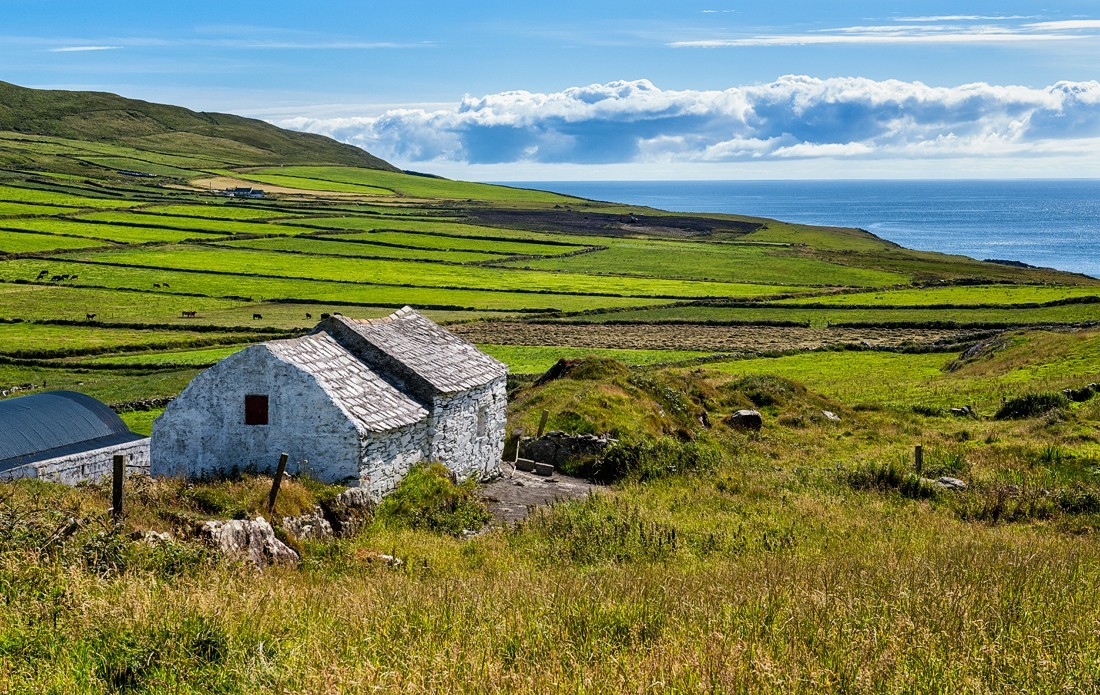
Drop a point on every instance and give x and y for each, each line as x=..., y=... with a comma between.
x=764, y=390
x=1031, y=405
x=428, y=498
x=891, y=475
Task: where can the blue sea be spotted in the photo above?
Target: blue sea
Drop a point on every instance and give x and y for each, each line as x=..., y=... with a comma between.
x=1051, y=223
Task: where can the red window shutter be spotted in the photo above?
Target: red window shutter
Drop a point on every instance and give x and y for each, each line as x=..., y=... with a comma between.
x=255, y=410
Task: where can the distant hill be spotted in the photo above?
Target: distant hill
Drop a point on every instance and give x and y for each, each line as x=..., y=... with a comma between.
x=104, y=117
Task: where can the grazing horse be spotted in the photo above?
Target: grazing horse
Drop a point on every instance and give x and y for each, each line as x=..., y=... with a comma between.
x=309, y=315
x=89, y=317
x=257, y=316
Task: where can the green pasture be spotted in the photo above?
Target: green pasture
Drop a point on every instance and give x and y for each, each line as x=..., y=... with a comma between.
x=1039, y=362
x=20, y=242
x=141, y=421
x=823, y=238
x=53, y=302
x=956, y=295
x=177, y=358
x=105, y=230
x=108, y=385
x=205, y=226
x=146, y=167
x=256, y=289
x=217, y=211
x=537, y=359
x=37, y=195
x=247, y=262
x=447, y=228
x=511, y=247
x=44, y=340
x=406, y=184
x=24, y=209
x=336, y=247
x=714, y=261
x=1001, y=316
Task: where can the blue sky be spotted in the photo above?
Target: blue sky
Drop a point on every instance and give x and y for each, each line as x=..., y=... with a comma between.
x=611, y=89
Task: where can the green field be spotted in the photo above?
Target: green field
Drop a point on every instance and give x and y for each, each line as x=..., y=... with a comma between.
x=39, y=340
x=105, y=230
x=206, y=226
x=19, y=242
x=536, y=360
x=215, y=211
x=956, y=296
x=29, y=209
x=245, y=262
x=715, y=261
x=47, y=197
x=336, y=247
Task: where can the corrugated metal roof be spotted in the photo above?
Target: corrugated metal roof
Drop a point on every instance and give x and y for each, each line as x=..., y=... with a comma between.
x=365, y=396
x=56, y=423
x=447, y=362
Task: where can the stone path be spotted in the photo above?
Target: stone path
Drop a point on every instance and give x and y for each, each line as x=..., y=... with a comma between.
x=511, y=497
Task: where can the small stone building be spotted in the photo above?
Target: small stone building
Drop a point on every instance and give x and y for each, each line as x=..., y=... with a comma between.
x=65, y=437
x=360, y=401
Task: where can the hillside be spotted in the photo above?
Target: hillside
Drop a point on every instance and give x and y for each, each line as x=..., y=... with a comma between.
x=104, y=117
x=810, y=555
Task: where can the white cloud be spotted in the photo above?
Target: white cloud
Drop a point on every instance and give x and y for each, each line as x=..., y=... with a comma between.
x=796, y=117
x=77, y=49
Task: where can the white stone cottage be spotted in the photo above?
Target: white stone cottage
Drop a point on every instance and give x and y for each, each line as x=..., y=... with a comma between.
x=361, y=401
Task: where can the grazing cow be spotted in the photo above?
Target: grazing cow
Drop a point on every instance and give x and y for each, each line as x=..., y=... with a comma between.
x=89, y=317
x=43, y=274
x=309, y=315
x=55, y=278
x=325, y=316
x=165, y=284
x=257, y=316
x=73, y=277
x=156, y=285
x=188, y=314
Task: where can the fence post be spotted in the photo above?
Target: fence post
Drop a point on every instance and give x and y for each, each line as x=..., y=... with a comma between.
x=918, y=458
x=119, y=472
x=542, y=422
x=275, y=483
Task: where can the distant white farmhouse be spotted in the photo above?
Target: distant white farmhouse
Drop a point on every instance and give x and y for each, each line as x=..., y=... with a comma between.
x=362, y=401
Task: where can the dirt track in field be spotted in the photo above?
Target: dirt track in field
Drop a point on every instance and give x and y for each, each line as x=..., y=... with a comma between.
x=688, y=337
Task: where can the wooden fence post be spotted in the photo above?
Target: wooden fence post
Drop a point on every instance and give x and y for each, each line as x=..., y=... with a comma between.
x=275, y=483
x=542, y=423
x=918, y=458
x=119, y=472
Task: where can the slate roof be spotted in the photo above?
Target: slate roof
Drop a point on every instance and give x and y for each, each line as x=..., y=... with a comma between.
x=364, y=395
x=444, y=360
x=56, y=423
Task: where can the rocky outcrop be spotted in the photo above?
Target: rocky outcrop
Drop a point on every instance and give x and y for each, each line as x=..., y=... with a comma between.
x=308, y=527
x=252, y=542
x=350, y=511
x=556, y=448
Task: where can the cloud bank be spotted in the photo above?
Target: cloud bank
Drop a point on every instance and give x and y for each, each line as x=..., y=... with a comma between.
x=793, y=118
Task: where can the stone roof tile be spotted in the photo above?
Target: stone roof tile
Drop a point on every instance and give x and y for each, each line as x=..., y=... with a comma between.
x=446, y=361
x=365, y=396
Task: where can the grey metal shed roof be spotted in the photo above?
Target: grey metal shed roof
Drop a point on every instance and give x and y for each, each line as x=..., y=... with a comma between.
x=447, y=362
x=56, y=423
x=365, y=396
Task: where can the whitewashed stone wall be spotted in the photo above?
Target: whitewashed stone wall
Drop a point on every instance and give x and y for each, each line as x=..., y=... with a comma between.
x=466, y=430
x=202, y=433
x=92, y=466
x=388, y=456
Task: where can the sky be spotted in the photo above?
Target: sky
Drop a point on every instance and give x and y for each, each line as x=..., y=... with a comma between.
x=611, y=89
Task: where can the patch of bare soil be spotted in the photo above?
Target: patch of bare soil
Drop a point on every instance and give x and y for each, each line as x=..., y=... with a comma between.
x=701, y=338
x=511, y=497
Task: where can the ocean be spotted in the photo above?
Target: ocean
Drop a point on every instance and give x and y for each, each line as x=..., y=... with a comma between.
x=1051, y=223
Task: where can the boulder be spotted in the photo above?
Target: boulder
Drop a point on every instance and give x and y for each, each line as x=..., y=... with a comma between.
x=350, y=511
x=830, y=415
x=248, y=541
x=948, y=483
x=557, y=448
x=965, y=411
x=308, y=527
x=746, y=420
